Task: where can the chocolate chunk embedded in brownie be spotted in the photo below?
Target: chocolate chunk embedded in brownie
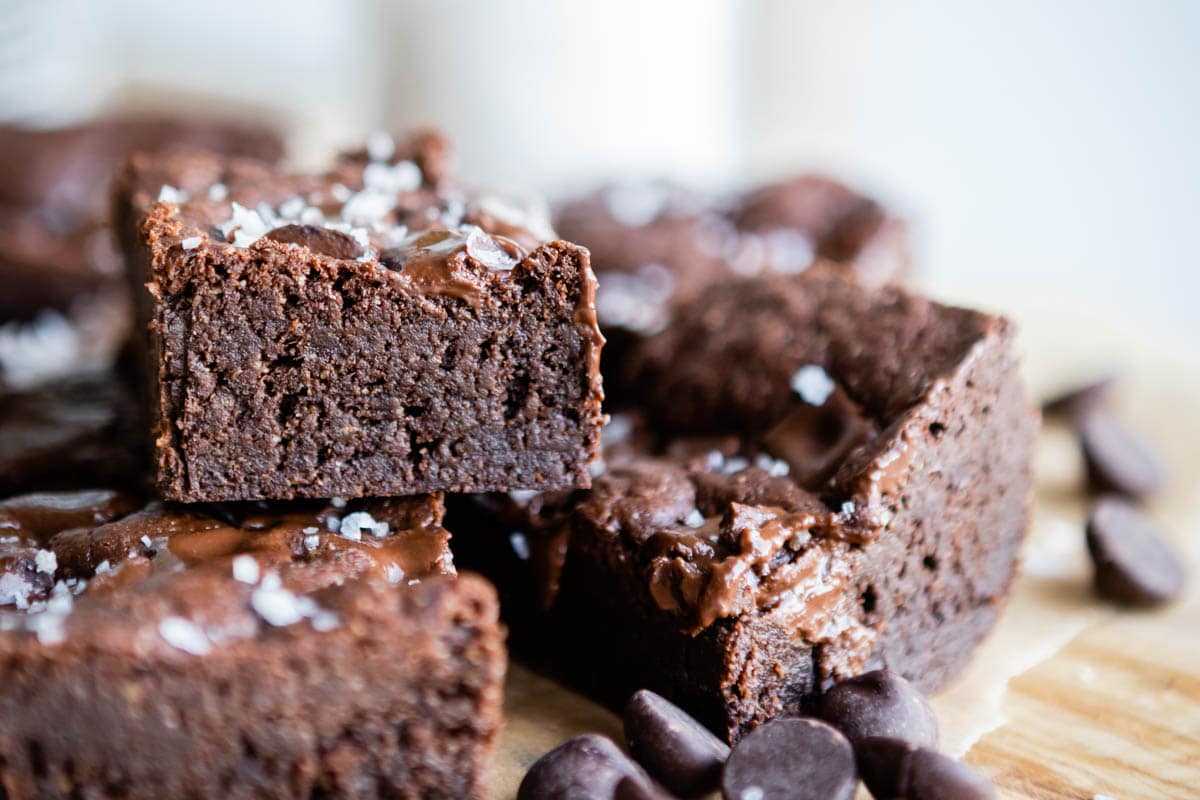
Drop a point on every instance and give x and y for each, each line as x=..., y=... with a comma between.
x=238, y=650
x=328, y=335
x=739, y=577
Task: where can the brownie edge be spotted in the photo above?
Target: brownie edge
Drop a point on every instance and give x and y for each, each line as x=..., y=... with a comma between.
x=450, y=359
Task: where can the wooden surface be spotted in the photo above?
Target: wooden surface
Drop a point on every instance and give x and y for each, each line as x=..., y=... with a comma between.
x=1068, y=698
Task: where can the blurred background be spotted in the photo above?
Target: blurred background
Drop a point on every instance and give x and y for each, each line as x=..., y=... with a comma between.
x=1046, y=153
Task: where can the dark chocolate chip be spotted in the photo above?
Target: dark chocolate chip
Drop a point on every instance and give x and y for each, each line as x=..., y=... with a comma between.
x=1080, y=401
x=813, y=439
x=588, y=767
x=319, y=239
x=880, y=703
x=678, y=751
x=1133, y=562
x=1118, y=461
x=633, y=789
x=893, y=768
x=790, y=759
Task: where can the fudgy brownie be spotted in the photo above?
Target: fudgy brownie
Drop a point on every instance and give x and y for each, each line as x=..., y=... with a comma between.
x=356, y=333
x=655, y=246
x=843, y=483
x=64, y=300
x=240, y=650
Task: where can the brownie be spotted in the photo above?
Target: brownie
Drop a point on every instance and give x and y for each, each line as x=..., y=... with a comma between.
x=842, y=225
x=241, y=650
x=843, y=486
x=656, y=245
x=70, y=433
x=64, y=301
x=355, y=333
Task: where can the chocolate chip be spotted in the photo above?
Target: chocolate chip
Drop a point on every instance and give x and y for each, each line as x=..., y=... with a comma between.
x=893, y=768
x=1133, y=562
x=790, y=759
x=319, y=239
x=633, y=789
x=813, y=439
x=1117, y=461
x=1080, y=401
x=676, y=749
x=880, y=703
x=588, y=767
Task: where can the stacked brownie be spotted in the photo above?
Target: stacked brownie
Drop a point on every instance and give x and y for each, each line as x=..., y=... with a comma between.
x=318, y=359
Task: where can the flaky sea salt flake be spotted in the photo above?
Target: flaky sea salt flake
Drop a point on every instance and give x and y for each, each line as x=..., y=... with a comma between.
x=380, y=146
x=185, y=635
x=813, y=384
x=169, y=194
x=245, y=569
x=46, y=561
x=353, y=526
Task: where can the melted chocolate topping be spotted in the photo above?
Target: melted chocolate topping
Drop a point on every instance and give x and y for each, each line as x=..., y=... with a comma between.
x=98, y=543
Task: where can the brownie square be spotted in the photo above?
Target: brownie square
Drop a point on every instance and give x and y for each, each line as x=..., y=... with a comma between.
x=241, y=650
x=841, y=481
x=356, y=333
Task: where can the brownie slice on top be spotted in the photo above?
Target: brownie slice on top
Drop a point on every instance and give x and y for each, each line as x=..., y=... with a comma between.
x=241, y=650
x=357, y=333
x=841, y=481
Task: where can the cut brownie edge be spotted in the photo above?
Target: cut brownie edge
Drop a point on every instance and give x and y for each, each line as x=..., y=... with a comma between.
x=495, y=387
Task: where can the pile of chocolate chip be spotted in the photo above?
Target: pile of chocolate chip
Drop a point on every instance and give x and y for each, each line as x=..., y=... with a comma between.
x=1134, y=564
x=876, y=727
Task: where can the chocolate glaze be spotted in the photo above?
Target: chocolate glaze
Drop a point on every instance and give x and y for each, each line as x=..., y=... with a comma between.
x=96, y=539
x=439, y=262
x=704, y=555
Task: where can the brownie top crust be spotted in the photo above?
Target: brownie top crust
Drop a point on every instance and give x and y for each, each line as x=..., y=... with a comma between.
x=843, y=384
x=887, y=348
x=389, y=212
x=391, y=204
x=71, y=560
